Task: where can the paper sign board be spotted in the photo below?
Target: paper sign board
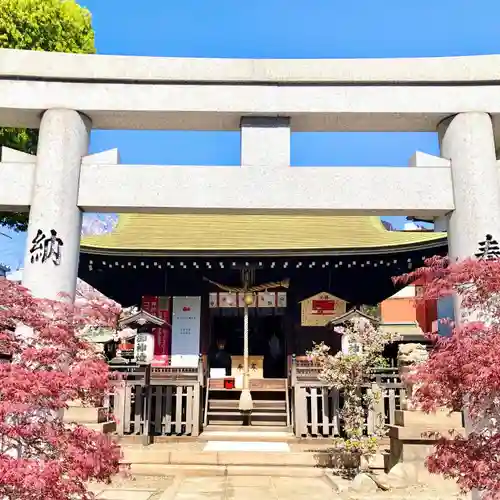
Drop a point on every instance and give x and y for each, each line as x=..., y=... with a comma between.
x=186, y=320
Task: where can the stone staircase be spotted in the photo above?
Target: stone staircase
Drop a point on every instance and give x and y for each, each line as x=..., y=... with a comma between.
x=202, y=459
x=96, y=419
x=234, y=450
x=269, y=409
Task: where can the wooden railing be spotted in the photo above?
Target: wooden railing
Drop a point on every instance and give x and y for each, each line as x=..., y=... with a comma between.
x=168, y=401
x=316, y=407
x=157, y=401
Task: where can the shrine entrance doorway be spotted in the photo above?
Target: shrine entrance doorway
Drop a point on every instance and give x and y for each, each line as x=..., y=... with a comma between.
x=267, y=340
x=268, y=380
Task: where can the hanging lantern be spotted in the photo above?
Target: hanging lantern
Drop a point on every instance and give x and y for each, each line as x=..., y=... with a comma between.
x=248, y=298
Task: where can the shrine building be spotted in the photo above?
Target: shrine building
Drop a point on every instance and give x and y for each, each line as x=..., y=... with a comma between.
x=150, y=260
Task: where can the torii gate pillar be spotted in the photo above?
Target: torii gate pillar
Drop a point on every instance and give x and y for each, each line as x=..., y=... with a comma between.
x=467, y=140
x=55, y=221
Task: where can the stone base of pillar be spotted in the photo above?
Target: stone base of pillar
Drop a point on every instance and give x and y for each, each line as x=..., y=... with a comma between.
x=408, y=440
x=93, y=418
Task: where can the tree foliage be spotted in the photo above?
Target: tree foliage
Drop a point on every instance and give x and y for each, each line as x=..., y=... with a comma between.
x=463, y=371
x=45, y=25
x=372, y=310
x=40, y=455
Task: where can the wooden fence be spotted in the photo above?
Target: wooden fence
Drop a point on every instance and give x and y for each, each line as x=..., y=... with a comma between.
x=167, y=401
x=316, y=407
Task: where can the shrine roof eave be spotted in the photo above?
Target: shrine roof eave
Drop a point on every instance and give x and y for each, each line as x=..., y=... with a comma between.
x=143, y=317
x=349, y=315
x=438, y=244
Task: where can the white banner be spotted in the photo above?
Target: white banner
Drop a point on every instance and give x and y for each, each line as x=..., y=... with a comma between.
x=186, y=319
x=144, y=346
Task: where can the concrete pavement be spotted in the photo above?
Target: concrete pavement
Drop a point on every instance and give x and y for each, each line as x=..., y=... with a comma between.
x=261, y=487
x=249, y=488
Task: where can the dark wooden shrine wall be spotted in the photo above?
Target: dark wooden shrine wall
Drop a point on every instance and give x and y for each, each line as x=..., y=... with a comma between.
x=303, y=338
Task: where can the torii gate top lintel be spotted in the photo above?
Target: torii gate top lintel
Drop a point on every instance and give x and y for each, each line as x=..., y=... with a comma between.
x=134, y=92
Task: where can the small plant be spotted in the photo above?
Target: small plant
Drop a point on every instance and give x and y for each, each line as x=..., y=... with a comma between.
x=349, y=372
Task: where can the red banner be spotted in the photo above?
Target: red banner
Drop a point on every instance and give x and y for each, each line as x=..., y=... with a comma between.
x=163, y=336
x=150, y=304
x=160, y=307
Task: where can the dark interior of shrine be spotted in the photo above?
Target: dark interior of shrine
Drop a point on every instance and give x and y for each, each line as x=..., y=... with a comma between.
x=357, y=279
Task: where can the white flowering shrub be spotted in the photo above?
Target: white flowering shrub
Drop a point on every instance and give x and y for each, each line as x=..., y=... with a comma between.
x=349, y=372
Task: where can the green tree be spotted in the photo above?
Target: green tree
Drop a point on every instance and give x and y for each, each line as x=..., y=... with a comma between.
x=372, y=310
x=46, y=25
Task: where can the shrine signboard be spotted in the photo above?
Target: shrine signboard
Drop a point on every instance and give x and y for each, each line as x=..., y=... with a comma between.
x=321, y=308
x=144, y=345
x=186, y=323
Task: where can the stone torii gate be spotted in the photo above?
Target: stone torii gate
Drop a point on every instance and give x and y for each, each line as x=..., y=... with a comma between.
x=67, y=95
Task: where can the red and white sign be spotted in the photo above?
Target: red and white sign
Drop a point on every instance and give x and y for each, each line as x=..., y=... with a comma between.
x=159, y=361
x=323, y=307
x=319, y=309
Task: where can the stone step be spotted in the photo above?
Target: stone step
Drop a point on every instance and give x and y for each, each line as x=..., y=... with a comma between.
x=246, y=447
x=252, y=428
x=224, y=413
x=267, y=413
x=440, y=420
x=83, y=414
x=237, y=421
x=418, y=433
x=155, y=455
x=258, y=413
x=223, y=470
x=105, y=427
x=247, y=435
x=224, y=404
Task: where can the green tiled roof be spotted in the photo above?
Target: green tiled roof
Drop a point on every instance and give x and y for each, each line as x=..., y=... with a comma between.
x=199, y=233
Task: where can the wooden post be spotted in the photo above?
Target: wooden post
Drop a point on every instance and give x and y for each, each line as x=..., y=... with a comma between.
x=378, y=406
x=287, y=403
x=119, y=394
x=293, y=379
x=196, y=411
x=198, y=399
x=146, y=440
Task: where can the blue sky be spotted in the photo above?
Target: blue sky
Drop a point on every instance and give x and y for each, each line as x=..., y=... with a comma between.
x=288, y=29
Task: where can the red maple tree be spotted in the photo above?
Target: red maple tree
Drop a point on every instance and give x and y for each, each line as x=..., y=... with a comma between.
x=463, y=370
x=41, y=457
